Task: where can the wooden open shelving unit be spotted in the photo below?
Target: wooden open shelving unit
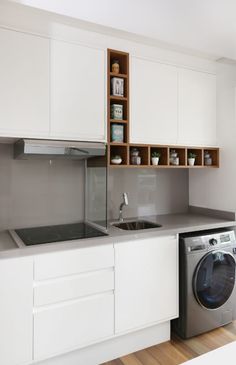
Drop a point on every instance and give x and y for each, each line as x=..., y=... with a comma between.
x=115, y=148
x=145, y=151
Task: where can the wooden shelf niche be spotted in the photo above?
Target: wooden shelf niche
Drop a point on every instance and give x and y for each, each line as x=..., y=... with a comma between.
x=198, y=152
x=123, y=147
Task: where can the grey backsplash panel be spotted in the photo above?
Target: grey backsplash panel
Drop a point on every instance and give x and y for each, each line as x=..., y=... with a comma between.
x=150, y=191
x=37, y=192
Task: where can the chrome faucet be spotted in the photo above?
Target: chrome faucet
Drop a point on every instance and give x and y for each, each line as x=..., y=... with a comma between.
x=125, y=202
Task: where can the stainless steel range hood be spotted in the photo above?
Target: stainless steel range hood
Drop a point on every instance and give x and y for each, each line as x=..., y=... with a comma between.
x=50, y=149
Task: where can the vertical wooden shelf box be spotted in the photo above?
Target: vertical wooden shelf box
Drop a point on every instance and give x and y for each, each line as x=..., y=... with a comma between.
x=164, y=155
x=121, y=147
x=144, y=153
x=198, y=152
x=182, y=155
x=214, y=153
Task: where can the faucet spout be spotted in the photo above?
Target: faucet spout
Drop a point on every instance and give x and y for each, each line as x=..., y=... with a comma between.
x=124, y=203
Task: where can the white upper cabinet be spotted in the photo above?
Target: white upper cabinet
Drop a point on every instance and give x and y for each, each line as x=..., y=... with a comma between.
x=197, y=108
x=171, y=105
x=24, y=85
x=154, y=102
x=16, y=311
x=77, y=92
x=146, y=282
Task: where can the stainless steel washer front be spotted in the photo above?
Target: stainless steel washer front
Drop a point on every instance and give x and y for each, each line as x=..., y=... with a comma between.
x=207, y=281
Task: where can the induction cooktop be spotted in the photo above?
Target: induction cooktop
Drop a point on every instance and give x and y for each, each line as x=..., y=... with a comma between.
x=57, y=233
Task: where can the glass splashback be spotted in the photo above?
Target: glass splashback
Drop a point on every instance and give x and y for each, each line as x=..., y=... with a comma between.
x=96, y=191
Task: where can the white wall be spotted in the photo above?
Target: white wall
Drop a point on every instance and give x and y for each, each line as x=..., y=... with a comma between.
x=212, y=188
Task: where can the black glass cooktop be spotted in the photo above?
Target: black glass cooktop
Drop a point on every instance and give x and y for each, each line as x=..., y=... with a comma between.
x=64, y=232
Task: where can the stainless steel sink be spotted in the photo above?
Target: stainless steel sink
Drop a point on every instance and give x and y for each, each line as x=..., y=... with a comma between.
x=136, y=225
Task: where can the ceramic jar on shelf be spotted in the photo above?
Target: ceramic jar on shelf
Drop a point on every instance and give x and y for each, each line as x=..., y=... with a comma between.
x=174, y=159
x=134, y=157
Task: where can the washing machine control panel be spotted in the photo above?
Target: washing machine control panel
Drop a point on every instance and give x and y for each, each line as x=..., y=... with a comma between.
x=213, y=241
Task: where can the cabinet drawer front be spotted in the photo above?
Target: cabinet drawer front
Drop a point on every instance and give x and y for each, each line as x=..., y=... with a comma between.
x=73, y=287
x=73, y=262
x=62, y=328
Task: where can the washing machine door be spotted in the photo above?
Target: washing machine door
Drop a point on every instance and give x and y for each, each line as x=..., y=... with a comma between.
x=214, y=279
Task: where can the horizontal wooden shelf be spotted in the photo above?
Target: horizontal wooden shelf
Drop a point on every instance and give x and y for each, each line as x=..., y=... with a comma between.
x=113, y=97
x=118, y=144
x=145, y=152
x=123, y=76
x=121, y=121
x=163, y=167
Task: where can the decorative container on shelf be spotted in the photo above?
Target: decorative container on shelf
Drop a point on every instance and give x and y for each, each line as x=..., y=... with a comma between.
x=116, y=160
x=117, y=86
x=135, y=158
x=115, y=66
x=117, y=111
x=174, y=159
x=155, y=158
x=117, y=133
x=207, y=159
x=191, y=159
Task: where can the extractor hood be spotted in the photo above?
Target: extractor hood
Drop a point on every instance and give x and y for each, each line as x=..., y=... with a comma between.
x=51, y=149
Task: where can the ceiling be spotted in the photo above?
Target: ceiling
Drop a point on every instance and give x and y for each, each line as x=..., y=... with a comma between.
x=206, y=26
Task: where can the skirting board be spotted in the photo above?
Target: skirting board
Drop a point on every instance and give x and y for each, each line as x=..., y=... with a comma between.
x=114, y=348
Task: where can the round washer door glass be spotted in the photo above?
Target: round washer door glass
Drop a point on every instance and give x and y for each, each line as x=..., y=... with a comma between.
x=214, y=279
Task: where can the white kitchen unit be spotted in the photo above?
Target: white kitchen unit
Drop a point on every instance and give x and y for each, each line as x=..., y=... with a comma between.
x=146, y=282
x=77, y=92
x=16, y=305
x=171, y=105
x=197, y=108
x=24, y=85
x=73, y=300
x=154, y=102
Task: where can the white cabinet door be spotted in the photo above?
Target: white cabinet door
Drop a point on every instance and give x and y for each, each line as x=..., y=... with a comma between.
x=77, y=92
x=154, y=115
x=16, y=311
x=66, y=326
x=146, y=282
x=197, y=108
x=24, y=85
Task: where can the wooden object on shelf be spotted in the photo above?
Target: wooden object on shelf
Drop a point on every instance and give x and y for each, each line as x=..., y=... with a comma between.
x=145, y=150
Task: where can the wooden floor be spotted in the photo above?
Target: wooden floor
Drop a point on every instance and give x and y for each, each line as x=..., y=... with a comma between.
x=178, y=351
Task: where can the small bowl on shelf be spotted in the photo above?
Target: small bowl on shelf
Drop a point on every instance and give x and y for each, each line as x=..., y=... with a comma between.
x=116, y=160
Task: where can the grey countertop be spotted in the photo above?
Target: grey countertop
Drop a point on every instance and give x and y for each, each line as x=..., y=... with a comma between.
x=171, y=224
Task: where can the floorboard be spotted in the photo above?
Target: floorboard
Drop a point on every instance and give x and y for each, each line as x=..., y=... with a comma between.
x=177, y=351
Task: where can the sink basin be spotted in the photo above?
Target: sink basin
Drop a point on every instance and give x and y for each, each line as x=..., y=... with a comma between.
x=136, y=225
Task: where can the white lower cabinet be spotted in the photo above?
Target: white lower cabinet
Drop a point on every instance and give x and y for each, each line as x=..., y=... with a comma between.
x=73, y=299
x=67, y=326
x=146, y=282
x=16, y=306
x=54, y=303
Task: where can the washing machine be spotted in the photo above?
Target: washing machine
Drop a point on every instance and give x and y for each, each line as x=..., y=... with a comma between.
x=207, y=290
